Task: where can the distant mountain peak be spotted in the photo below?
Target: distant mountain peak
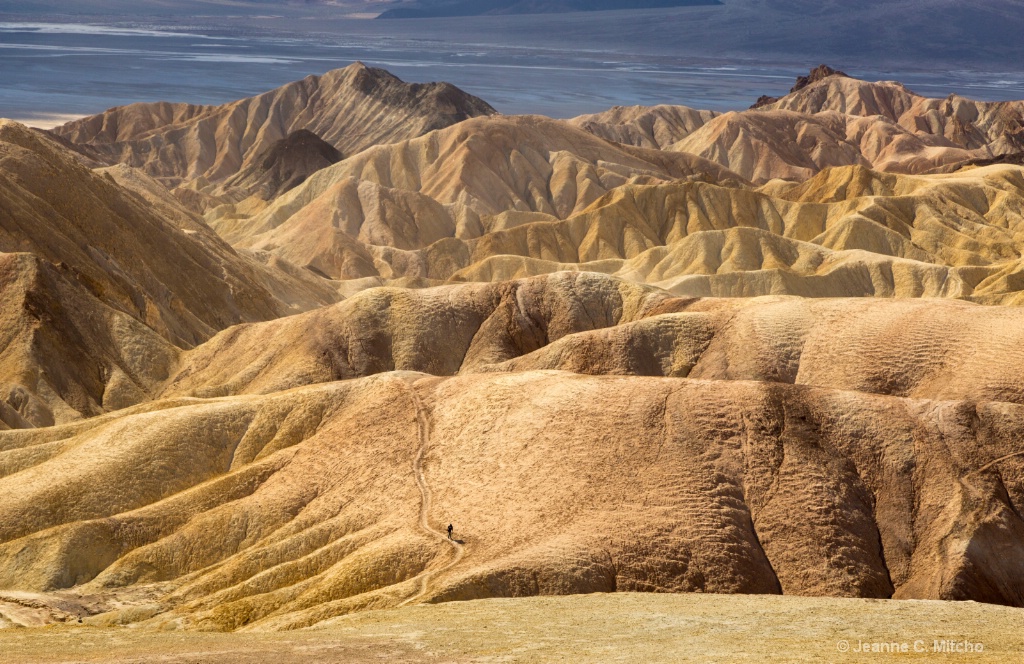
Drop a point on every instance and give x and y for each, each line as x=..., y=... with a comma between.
x=350, y=108
x=819, y=73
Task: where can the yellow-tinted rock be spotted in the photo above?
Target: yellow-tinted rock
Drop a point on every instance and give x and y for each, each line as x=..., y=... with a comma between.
x=288, y=509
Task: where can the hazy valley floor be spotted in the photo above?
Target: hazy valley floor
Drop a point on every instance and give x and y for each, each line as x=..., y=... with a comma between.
x=589, y=628
x=175, y=60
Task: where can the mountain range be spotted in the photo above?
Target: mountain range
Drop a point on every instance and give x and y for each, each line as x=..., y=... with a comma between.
x=255, y=356
x=449, y=8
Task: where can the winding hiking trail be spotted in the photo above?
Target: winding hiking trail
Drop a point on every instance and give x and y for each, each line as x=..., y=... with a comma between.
x=423, y=426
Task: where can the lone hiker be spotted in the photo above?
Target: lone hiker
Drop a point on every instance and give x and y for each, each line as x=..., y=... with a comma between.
x=450, y=529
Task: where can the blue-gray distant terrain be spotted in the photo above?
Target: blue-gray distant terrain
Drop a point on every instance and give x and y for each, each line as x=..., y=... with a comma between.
x=448, y=8
x=981, y=35
x=60, y=57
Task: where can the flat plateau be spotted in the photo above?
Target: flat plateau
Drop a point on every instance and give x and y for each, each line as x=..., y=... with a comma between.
x=620, y=627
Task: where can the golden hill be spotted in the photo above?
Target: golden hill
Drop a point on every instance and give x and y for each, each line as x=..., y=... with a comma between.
x=496, y=198
x=440, y=331
x=264, y=489
x=846, y=232
x=351, y=108
x=995, y=127
x=518, y=163
x=64, y=354
x=106, y=277
x=593, y=324
x=285, y=165
x=842, y=121
x=480, y=175
x=284, y=510
x=656, y=127
x=112, y=244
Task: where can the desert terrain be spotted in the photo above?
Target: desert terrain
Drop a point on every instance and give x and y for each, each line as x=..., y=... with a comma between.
x=667, y=369
x=618, y=627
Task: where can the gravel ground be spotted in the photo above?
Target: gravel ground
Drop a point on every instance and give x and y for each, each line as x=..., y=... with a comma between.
x=589, y=628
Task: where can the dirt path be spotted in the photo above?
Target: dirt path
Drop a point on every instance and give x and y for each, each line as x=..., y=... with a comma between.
x=992, y=463
x=423, y=425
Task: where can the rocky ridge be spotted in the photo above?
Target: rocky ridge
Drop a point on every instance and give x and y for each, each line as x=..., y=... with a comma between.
x=351, y=109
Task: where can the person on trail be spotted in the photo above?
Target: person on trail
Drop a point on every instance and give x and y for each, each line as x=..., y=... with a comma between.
x=450, y=529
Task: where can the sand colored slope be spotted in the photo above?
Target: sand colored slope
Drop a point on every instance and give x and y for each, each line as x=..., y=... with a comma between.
x=497, y=198
x=997, y=126
x=850, y=96
x=754, y=263
x=590, y=357
x=130, y=243
x=285, y=165
x=497, y=164
x=655, y=127
x=842, y=121
x=351, y=108
x=334, y=235
x=594, y=324
x=185, y=283
x=288, y=509
x=459, y=182
x=439, y=331
x=915, y=348
x=762, y=146
x=295, y=289
x=108, y=277
x=947, y=236
x=766, y=144
x=847, y=232
x=64, y=354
